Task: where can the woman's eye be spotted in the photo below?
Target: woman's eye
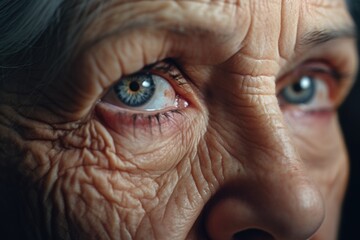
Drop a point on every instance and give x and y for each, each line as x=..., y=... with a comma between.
x=151, y=97
x=301, y=92
x=148, y=92
x=135, y=91
x=314, y=89
x=145, y=91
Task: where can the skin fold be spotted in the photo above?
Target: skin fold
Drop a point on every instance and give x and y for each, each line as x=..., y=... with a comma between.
x=234, y=161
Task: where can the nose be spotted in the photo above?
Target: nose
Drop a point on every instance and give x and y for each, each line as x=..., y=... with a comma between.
x=272, y=197
x=292, y=212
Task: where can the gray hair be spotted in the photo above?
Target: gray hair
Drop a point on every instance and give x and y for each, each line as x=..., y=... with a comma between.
x=41, y=33
x=22, y=23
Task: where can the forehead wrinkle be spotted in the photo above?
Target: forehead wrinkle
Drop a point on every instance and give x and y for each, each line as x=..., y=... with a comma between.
x=201, y=28
x=198, y=26
x=259, y=52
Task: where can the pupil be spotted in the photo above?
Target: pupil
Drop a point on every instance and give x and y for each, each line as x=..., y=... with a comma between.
x=297, y=88
x=134, y=86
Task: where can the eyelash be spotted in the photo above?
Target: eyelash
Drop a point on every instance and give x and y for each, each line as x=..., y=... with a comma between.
x=170, y=65
x=157, y=118
x=338, y=74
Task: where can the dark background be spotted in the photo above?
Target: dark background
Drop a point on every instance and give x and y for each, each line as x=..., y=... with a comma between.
x=350, y=121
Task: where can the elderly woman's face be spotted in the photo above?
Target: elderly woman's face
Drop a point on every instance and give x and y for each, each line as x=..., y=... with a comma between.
x=192, y=120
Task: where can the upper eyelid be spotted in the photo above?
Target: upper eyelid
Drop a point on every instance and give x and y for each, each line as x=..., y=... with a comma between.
x=332, y=70
x=312, y=67
x=194, y=81
x=305, y=68
x=167, y=68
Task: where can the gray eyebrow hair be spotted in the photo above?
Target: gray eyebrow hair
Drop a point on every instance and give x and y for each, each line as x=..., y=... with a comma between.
x=319, y=37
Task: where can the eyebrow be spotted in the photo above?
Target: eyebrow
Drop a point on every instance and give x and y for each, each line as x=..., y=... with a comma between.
x=176, y=28
x=319, y=37
x=308, y=40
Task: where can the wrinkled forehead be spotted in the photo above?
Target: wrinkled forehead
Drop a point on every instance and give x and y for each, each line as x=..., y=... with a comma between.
x=225, y=17
x=252, y=20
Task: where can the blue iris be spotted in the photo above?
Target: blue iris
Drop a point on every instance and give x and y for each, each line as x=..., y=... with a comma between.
x=135, y=90
x=301, y=92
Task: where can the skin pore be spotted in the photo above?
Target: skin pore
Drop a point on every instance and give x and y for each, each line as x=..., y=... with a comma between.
x=230, y=154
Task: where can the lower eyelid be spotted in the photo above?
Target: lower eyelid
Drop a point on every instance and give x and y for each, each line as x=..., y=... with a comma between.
x=310, y=119
x=123, y=122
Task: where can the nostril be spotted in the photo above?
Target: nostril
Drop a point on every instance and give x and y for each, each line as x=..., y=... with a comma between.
x=252, y=234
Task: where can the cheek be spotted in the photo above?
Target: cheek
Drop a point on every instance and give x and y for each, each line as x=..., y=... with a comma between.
x=318, y=138
x=320, y=144
x=98, y=183
x=154, y=143
x=74, y=188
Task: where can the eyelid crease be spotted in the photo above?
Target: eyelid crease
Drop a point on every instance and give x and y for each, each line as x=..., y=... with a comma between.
x=321, y=67
x=167, y=68
x=338, y=77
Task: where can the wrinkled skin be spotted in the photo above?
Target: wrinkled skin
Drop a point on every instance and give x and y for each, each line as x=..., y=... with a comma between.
x=234, y=160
